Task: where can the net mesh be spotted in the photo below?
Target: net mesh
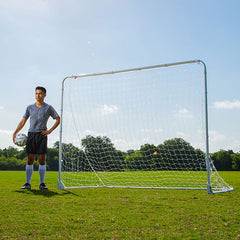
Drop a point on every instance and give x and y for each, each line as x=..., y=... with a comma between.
x=143, y=128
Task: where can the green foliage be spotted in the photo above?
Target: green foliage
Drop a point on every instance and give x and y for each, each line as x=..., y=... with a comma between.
x=52, y=159
x=21, y=154
x=74, y=157
x=235, y=161
x=223, y=160
x=171, y=155
x=11, y=163
x=9, y=152
x=14, y=159
x=95, y=148
x=132, y=161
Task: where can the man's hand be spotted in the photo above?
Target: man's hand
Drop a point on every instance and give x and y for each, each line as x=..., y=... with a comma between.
x=45, y=132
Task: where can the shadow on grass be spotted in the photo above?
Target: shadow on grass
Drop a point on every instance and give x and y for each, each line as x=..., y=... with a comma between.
x=45, y=193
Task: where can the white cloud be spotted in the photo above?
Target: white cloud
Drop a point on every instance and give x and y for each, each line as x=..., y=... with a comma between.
x=108, y=109
x=1, y=108
x=180, y=134
x=219, y=141
x=125, y=145
x=120, y=144
x=93, y=133
x=6, y=139
x=6, y=132
x=215, y=136
x=158, y=130
x=183, y=113
x=227, y=104
x=234, y=145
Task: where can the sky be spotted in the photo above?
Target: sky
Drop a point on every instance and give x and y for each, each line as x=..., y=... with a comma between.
x=43, y=41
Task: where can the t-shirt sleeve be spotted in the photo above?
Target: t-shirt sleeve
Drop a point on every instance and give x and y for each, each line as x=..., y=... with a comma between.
x=26, y=114
x=53, y=112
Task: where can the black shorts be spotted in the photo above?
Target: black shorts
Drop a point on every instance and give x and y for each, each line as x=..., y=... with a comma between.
x=36, y=143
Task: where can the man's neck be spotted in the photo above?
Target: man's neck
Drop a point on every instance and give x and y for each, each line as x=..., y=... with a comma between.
x=39, y=104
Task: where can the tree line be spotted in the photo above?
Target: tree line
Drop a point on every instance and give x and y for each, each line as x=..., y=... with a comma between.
x=99, y=153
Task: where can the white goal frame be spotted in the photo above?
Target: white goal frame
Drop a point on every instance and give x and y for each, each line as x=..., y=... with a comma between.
x=207, y=160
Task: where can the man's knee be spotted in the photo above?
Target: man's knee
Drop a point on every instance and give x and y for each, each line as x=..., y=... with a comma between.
x=42, y=159
x=30, y=159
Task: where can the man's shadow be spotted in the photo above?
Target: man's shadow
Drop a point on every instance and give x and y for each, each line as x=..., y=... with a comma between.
x=45, y=193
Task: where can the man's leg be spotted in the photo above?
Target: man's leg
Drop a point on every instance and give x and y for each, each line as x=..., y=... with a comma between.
x=29, y=171
x=42, y=170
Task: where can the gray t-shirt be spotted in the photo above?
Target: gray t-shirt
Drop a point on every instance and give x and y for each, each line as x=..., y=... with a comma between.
x=39, y=116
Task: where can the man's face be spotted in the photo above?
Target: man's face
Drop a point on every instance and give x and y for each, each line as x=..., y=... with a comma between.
x=39, y=95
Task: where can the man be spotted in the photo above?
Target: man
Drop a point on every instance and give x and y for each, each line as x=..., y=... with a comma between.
x=39, y=113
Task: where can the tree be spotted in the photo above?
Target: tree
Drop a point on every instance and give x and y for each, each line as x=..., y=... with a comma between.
x=174, y=153
x=101, y=154
x=132, y=161
x=148, y=160
x=21, y=154
x=223, y=160
x=56, y=145
x=74, y=157
x=235, y=161
x=9, y=152
x=52, y=159
x=11, y=163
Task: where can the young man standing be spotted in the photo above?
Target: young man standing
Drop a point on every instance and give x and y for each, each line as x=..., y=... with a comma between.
x=39, y=113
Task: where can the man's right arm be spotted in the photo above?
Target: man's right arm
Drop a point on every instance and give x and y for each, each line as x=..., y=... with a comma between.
x=19, y=127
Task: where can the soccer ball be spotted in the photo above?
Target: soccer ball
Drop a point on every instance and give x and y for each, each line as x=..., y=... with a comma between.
x=21, y=139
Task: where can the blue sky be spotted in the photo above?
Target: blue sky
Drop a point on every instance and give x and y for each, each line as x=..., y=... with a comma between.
x=43, y=41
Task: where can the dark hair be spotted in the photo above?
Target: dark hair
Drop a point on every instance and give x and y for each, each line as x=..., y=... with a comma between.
x=42, y=89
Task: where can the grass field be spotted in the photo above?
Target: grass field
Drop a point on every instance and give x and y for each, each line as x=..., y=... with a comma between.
x=145, y=179
x=110, y=213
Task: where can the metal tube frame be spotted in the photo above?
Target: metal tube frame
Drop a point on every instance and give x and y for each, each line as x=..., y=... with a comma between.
x=209, y=189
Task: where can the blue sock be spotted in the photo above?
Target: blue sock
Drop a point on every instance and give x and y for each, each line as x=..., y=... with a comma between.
x=42, y=173
x=29, y=172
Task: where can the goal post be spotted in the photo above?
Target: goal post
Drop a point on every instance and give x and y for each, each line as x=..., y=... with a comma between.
x=144, y=127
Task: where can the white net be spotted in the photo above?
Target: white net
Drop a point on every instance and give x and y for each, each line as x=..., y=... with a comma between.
x=142, y=128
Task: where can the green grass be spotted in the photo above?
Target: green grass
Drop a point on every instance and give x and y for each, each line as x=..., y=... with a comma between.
x=146, y=179
x=110, y=213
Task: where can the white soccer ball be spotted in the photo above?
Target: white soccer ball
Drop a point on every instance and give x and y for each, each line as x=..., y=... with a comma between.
x=21, y=139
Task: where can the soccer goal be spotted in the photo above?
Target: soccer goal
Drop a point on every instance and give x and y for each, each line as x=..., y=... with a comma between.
x=138, y=128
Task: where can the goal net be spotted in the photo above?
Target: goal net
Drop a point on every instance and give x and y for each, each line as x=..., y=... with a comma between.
x=139, y=128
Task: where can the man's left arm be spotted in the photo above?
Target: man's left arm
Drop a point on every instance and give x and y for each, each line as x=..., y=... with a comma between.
x=55, y=125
